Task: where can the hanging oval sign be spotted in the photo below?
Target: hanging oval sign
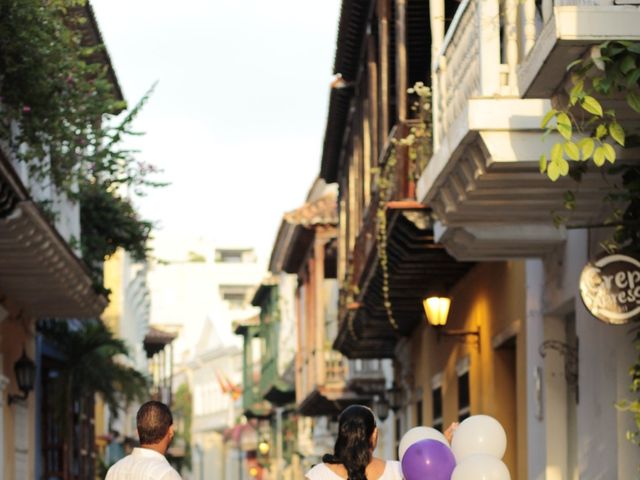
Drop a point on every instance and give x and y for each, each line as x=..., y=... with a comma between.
x=610, y=288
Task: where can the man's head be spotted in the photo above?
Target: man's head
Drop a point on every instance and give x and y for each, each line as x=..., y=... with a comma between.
x=155, y=424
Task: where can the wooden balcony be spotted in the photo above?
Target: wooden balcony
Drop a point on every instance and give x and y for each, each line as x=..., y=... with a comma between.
x=324, y=389
x=253, y=402
x=273, y=388
x=416, y=264
x=366, y=376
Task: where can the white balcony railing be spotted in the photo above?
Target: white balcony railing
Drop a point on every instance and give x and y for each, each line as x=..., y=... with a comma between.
x=456, y=71
x=489, y=41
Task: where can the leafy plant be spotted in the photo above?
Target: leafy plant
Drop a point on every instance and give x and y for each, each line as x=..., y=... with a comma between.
x=418, y=144
x=182, y=412
x=589, y=131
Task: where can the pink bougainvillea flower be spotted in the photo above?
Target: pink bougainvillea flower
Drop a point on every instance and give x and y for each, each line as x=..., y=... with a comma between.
x=26, y=109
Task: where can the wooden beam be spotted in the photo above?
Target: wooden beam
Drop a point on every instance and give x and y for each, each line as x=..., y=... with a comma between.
x=383, y=53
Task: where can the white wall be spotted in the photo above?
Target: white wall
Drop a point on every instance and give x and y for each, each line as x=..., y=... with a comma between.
x=187, y=293
x=605, y=354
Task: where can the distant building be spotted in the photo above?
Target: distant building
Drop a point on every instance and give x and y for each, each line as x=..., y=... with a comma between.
x=202, y=289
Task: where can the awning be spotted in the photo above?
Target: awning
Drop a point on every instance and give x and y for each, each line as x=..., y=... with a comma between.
x=330, y=401
x=39, y=271
x=155, y=340
x=416, y=263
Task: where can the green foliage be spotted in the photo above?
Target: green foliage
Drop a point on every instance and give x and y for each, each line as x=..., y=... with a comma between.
x=418, y=143
x=611, y=70
x=109, y=221
x=91, y=364
x=633, y=406
x=183, y=414
x=51, y=86
x=58, y=117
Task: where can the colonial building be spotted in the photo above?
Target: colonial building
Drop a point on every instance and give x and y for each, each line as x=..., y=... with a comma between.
x=201, y=288
x=41, y=277
x=451, y=204
x=325, y=380
x=498, y=70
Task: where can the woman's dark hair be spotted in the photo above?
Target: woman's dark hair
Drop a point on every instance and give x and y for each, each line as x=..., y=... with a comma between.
x=356, y=425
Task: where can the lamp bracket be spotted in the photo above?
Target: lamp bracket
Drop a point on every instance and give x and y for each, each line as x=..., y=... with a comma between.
x=18, y=398
x=459, y=335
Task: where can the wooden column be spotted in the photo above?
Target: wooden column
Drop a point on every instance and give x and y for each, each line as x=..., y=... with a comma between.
x=401, y=59
x=383, y=49
x=372, y=66
x=436, y=15
x=318, y=280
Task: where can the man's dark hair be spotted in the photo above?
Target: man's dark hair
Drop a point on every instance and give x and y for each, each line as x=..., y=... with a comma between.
x=153, y=421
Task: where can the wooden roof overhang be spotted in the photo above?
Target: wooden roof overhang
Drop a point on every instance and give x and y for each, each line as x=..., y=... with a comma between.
x=262, y=294
x=350, y=61
x=156, y=340
x=92, y=37
x=38, y=269
x=354, y=17
x=259, y=410
x=301, y=240
x=280, y=393
x=330, y=400
x=352, y=27
x=416, y=264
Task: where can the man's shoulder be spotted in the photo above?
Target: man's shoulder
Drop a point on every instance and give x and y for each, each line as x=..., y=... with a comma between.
x=158, y=467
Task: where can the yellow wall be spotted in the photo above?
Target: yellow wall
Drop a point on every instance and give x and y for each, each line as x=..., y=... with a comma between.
x=490, y=297
x=113, y=281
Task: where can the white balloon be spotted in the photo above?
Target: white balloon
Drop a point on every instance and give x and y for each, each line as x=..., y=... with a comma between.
x=481, y=467
x=415, y=435
x=479, y=434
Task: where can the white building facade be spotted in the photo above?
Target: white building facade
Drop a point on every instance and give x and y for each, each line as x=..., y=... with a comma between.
x=497, y=69
x=199, y=289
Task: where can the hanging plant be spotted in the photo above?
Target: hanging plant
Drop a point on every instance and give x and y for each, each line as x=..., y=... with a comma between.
x=58, y=117
x=419, y=146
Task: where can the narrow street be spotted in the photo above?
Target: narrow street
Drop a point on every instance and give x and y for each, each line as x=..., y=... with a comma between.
x=357, y=239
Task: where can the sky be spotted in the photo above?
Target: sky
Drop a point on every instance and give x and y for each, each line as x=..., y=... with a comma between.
x=237, y=119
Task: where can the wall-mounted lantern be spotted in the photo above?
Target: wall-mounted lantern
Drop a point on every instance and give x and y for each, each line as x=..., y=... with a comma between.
x=436, y=309
x=25, y=371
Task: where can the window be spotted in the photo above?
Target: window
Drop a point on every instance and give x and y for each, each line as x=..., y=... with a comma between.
x=436, y=402
x=464, y=398
x=234, y=295
x=398, y=434
x=419, y=418
x=235, y=255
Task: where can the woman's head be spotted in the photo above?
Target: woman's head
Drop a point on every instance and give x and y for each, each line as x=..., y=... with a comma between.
x=357, y=438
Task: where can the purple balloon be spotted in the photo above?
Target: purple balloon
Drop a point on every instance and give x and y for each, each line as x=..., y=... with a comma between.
x=428, y=460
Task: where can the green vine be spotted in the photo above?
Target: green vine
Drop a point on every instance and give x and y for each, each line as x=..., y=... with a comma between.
x=590, y=132
x=418, y=144
x=420, y=135
x=385, y=185
x=58, y=109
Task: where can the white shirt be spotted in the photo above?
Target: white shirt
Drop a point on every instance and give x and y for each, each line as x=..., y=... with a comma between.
x=142, y=464
x=392, y=471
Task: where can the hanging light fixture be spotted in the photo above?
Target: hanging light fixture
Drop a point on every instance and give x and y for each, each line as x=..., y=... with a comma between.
x=25, y=371
x=381, y=407
x=436, y=308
